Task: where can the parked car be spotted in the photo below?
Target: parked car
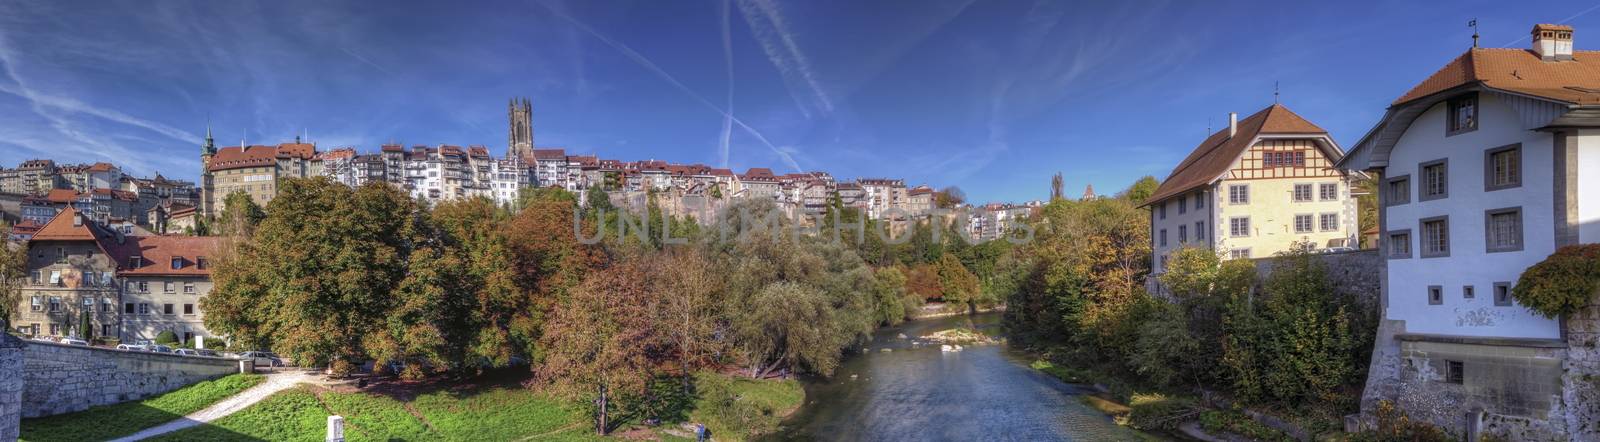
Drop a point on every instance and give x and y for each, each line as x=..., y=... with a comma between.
x=204, y=352
x=44, y=338
x=263, y=358
x=74, y=341
x=160, y=349
x=133, y=347
x=186, y=352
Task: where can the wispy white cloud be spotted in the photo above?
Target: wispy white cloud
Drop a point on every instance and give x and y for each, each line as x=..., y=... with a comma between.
x=787, y=155
x=771, y=29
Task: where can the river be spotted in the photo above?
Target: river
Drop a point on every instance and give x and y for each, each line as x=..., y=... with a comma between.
x=982, y=393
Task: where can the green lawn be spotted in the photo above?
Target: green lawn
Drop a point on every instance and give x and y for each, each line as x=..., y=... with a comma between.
x=729, y=406
x=289, y=415
x=112, y=421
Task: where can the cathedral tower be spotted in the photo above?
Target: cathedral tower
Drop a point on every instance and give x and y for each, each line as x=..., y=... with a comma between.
x=520, y=144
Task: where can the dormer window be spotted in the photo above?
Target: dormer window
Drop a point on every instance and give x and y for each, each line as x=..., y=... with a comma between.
x=135, y=262
x=177, y=263
x=200, y=263
x=1463, y=116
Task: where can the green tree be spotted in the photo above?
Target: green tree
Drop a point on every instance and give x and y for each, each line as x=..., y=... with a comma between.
x=240, y=215
x=13, y=271
x=1140, y=190
x=318, y=275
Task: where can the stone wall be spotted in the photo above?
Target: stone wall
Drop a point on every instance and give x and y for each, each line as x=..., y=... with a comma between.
x=63, y=378
x=11, y=350
x=1581, y=382
x=1353, y=274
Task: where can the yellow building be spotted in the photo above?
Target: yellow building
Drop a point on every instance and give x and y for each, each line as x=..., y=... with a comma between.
x=1254, y=189
x=255, y=170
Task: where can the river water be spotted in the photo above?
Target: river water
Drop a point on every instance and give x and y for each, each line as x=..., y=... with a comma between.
x=920, y=393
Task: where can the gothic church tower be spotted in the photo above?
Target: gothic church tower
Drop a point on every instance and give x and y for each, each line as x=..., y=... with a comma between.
x=520, y=145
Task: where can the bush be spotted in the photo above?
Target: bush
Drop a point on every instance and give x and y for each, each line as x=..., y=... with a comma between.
x=1395, y=426
x=1215, y=421
x=167, y=338
x=1562, y=283
x=1159, y=412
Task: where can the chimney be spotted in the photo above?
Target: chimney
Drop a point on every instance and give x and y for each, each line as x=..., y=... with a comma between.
x=1233, y=124
x=1552, y=42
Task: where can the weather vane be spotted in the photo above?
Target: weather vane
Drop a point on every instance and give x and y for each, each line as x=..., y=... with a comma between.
x=1474, y=25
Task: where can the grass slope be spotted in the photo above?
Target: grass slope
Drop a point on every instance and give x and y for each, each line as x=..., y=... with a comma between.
x=112, y=421
x=730, y=406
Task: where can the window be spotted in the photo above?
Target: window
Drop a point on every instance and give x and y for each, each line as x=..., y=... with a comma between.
x=1302, y=193
x=1435, y=295
x=1183, y=234
x=1239, y=226
x=1463, y=115
x=105, y=330
x=89, y=303
x=127, y=308
x=166, y=309
x=1398, y=191
x=1328, y=191
x=1163, y=263
x=167, y=287
x=1200, y=200
x=1435, y=237
x=107, y=306
x=55, y=303
x=188, y=309
x=1502, y=167
x=1399, y=244
x=1503, y=229
x=200, y=263
x=1435, y=180
x=1239, y=194
x=1284, y=159
x=1162, y=207
x=188, y=287
x=1328, y=222
x=38, y=277
x=1239, y=254
x=135, y=262
x=55, y=329
x=1183, y=204
x=144, y=308
x=177, y=263
x=144, y=287
x=1455, y=372
x=1502, y=294
x=55, y=277
x=38, y=303
x=1200, y=230
x=1302, y=223
x=1467, y=292
x=1161, y=237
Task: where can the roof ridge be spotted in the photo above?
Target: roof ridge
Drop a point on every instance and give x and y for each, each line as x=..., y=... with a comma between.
x=1194, y=158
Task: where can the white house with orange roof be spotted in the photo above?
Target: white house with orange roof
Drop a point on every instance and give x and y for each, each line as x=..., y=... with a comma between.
x=1486, y=167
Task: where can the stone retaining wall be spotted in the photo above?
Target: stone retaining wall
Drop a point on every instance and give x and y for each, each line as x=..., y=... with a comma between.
x=60, y=378
x=11, y=350
x=1352, y=274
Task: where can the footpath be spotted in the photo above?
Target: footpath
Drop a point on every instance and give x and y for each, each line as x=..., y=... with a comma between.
x=274, y=383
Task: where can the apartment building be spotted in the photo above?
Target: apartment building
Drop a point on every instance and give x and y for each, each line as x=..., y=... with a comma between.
x=254, y=170
x=1260, y=186
x=71, y=278
x=163, y=279
x=1481, y=168
x=882, y=195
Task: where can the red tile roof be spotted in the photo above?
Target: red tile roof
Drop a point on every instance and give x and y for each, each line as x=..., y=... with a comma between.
x=550, y=154
x=64, y=196
x=157, y=253
x=61, y=228
x=259, y=156
x=1521, y=71
x=1218, y=152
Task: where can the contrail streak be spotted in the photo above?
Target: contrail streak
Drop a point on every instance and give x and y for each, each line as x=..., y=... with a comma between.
x=647, y=64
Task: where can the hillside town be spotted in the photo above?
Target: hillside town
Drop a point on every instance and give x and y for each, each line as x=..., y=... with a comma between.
x=1473, y=176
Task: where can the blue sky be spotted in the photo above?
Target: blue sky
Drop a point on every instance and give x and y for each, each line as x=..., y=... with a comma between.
x=991, y=96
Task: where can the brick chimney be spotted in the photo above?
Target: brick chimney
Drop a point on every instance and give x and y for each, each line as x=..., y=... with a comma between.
x=1552, y=42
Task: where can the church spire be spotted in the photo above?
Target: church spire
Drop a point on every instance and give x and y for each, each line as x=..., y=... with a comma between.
x=210, y=148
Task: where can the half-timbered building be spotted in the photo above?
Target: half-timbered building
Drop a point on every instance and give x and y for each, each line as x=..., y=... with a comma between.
x=1261, y=186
